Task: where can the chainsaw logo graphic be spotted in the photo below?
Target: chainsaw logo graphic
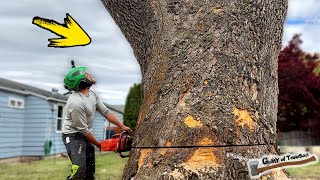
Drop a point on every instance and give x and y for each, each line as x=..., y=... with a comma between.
x=259, y=167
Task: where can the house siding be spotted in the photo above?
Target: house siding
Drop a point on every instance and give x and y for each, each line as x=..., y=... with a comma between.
x=23, y=132
x=11, y=126
x=118, y=115
x=98, y=126
x=56, y=137
x=37, y=118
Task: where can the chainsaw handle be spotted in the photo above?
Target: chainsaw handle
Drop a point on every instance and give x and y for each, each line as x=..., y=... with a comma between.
x=120, y=138
x=119, y=144
x=123, y=156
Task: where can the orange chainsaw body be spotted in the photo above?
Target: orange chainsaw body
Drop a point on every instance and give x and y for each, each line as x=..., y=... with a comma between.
x=110, y=144
x=118, y=143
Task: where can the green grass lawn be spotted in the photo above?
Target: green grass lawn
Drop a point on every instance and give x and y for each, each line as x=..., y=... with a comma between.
x=109, y=166
x=307, y=172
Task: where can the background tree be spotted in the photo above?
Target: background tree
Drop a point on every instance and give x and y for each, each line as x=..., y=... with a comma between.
x=299, y=89
x=209, y=78
x=133, y=102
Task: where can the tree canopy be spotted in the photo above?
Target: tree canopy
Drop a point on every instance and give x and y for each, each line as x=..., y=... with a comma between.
x=299, y=88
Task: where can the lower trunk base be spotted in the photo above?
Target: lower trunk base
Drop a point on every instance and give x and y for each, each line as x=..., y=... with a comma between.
x=197, y=163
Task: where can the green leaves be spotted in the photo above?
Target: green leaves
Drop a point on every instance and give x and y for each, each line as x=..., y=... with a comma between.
x=132, y=106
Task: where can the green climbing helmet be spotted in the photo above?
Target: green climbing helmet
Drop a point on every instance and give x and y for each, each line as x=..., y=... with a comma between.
x=74, y=76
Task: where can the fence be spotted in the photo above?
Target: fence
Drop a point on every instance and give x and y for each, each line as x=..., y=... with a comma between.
x=298, y=138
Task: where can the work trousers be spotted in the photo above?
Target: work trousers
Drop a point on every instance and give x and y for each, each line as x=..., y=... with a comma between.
x=82, y=156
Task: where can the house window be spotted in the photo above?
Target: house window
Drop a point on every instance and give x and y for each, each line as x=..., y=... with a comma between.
x=16, y=103
x=60, y=118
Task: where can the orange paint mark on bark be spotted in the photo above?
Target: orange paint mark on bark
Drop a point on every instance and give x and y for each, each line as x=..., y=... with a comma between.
x=144, y=107
x=206, y=142
x=275, y=174
x=217, y=9
x=176, y=174
x=143, y=154
x=162, y=151
x=191, y=122
x=168, y=143
x=244, y=118
x=201, y=158
x=279, y=174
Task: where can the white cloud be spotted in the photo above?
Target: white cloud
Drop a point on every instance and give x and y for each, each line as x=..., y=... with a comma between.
x=290, y=31
x=26, y=58
x=305, y=13
x=303, y=9
x=114, y=96
x=309, y=32
x=17, y=73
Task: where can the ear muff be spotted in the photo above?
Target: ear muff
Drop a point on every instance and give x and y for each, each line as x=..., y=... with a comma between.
x=83, y=84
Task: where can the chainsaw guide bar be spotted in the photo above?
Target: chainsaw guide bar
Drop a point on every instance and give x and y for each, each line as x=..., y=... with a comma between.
x=123, y=143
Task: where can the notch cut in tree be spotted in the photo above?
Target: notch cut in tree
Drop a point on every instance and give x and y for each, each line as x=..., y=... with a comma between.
x=201, y=60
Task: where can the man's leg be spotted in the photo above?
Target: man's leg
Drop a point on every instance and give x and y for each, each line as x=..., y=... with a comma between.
x=90, y=170
x=76, y=147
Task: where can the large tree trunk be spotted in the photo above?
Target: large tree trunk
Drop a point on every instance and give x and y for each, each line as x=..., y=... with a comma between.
x=209, y=78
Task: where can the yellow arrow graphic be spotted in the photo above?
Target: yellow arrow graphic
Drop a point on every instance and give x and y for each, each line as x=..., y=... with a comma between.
x=71, y=32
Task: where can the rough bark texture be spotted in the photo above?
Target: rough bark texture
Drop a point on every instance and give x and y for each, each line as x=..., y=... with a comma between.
x=209, y=77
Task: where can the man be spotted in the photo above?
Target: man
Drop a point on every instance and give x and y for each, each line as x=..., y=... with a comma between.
x=77, y=129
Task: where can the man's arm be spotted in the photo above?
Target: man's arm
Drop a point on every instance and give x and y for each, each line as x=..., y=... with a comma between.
x=93, y=140
x=104, y=111
x=112, y=118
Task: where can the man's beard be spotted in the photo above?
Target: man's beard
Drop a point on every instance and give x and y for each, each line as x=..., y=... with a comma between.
x=92, y=81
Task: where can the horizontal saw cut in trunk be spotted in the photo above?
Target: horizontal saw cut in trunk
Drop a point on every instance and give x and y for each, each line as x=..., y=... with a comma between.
x=209, y=85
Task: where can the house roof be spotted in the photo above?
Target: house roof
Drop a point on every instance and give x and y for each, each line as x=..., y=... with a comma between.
x=6, y=84
x=20, y=88
x=117, y=108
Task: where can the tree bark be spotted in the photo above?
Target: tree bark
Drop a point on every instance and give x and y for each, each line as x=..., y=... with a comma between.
x=209, y=78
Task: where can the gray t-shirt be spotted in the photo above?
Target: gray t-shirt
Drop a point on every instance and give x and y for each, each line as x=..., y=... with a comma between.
x=80, y=110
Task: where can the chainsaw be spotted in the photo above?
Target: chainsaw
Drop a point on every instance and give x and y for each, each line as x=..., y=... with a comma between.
x=118, y=143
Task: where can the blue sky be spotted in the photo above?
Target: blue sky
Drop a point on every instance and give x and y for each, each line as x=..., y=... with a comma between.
x=303, y=18
x=26, y=58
